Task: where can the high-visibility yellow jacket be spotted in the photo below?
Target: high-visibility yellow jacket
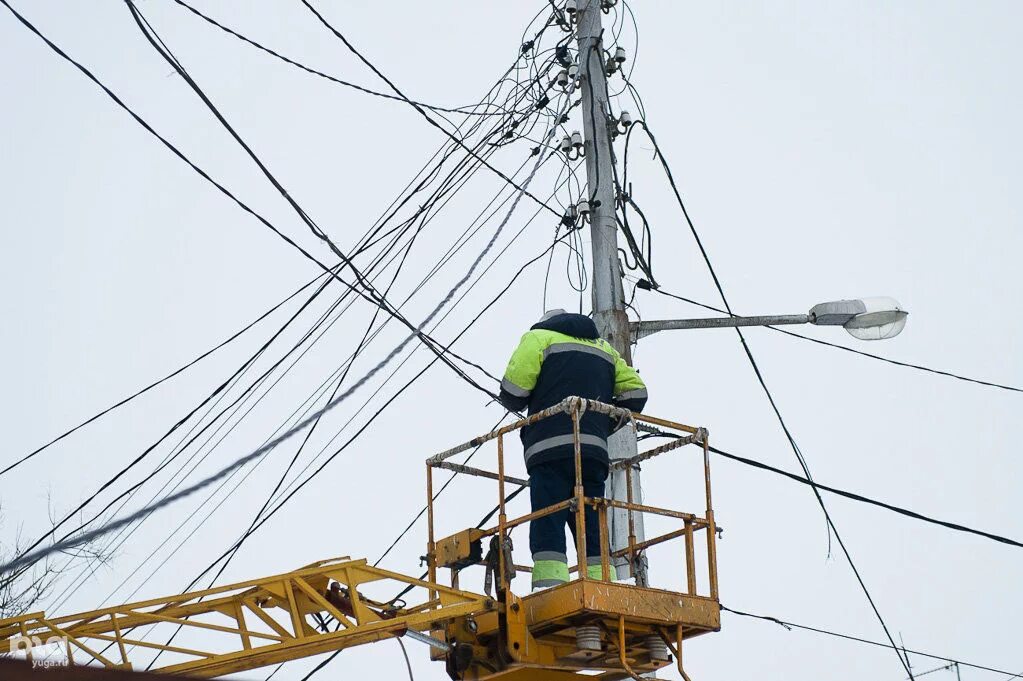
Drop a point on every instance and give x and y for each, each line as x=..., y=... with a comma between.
x=560, y=356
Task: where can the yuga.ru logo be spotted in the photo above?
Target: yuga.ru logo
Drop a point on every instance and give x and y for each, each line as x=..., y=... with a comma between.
x=49, y=653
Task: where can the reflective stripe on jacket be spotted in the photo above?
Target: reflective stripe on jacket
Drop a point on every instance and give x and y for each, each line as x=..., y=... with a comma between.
x=560, y=356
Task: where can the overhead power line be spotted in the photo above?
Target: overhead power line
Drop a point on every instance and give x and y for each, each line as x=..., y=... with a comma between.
x=444, y=259
x=160, y=381
x=534, y=150
x=896, y=362
x=436, y=495
x=756, y=464
x=224, y=385
x=231, y=552
x=422, y=112
x=867, y=500
x=431, y=274
x=846, y=348
x=92, y=535
x=848, y=637
x=241, y=204
x=258, y=519
x=371, y=267
x=376, y=414
x=763, y=384
x=247, y=363
x=766, y=467
x=230, y=31
x=373, y=295
x=85, y=537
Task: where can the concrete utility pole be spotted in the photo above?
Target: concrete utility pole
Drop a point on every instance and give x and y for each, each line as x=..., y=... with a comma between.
x=608, y=292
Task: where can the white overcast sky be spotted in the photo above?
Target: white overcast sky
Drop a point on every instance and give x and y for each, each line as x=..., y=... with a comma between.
x=825, y=150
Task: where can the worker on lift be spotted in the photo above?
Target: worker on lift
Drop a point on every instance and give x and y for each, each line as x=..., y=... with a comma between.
x=560, y=356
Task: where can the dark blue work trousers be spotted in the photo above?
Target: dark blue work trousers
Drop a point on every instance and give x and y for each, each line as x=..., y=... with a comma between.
x=552, y=482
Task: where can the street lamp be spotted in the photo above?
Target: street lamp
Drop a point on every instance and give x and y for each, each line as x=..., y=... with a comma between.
x=865, y=318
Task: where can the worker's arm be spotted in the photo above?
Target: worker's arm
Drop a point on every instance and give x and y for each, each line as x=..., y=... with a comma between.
x=630, y=391
x=522, y=372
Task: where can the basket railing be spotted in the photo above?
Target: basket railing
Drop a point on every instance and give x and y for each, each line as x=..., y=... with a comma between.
x=691, y=524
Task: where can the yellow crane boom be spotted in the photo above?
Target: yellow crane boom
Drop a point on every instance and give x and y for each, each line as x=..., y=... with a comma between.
x=250, y=624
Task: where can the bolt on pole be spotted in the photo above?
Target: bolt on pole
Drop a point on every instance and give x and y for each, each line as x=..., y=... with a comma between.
x=607, y=289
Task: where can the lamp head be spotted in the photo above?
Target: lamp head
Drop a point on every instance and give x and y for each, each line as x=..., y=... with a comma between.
x=876, y=318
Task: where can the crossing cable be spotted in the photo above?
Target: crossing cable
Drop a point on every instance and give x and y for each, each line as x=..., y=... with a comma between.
x=400, y=391
x=389, y=403
x=176, y=450
x=791, y=476
x=66, y=57
x=255, y=385
x=158, y=382
x=248, y=364
x=433, y=173
x=465, y=162
x=506, y=287
x=849, y=637
x=220, y=187
x=867, y=500
x=419, y=109
x=365, y=426
x=446, y=257
x=230, y=31
x=237, y=401
x=466, y=327
x=266, y=374
x=436, y=496
x=511, y=495
x=846, y=348
x=624, y=199
x=231, y=552
x=373, y=295
x=451, y=188
x=280, y=482
x=483, y=104
x=770, y=397
x=248, y=533
x=202, y=356
x=284, y=475
x=86, y=537
x=851, y=495
x=91, y=535
x=236, y=406
x=216, y=392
